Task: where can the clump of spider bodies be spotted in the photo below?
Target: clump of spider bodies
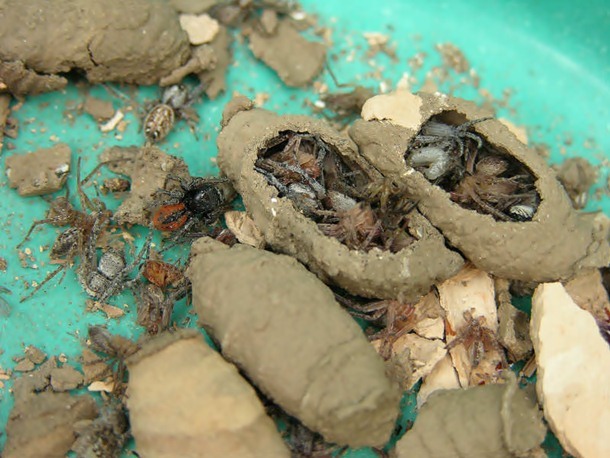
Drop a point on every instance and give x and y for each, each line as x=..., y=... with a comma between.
x=493, y=199
x=477, y=175
x=313, y=197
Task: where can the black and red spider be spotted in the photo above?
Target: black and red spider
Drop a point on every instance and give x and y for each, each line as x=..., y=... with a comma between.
x=200, y=200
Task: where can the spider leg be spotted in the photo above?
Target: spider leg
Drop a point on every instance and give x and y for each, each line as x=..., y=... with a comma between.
x=32, y=227
x=273, y=181
x=45, y=281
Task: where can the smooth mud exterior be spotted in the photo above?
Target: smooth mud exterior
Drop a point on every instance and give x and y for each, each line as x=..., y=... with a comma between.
x=185, y=400
x=131, y=41
x=408, y=274
x=555, y=244
x=284, y=329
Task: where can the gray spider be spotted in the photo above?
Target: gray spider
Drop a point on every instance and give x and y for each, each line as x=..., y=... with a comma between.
x=439, y=147
x=108, y=276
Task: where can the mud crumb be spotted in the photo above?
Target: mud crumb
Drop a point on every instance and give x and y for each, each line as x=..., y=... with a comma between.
x=25, y=365
x=101, y=110
x=577, y=175
x=199, y=28
x=35, y=355
x=453, y=57
x=147, y=167
x=40, y=172
x=296, y=60
x=3, y=264
x=65, y=378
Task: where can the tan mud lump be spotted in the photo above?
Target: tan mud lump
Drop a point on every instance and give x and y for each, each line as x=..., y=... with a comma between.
x=282, y=326
x=408, y=273
x=554, y=244
x=185, y=400
x=131, y=41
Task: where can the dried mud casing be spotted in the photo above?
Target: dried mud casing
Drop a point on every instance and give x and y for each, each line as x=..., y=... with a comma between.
x=498, y=421
x=105, y=40
x=185, y=400
x=555, y=244
x=282, y=326
x=408, y=274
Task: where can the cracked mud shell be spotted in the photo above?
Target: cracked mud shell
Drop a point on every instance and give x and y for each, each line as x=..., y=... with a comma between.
x=408, y=273
x=132, y=41
x=555, y=244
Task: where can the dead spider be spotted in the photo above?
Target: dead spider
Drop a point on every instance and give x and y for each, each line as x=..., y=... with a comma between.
x=357, y=228
x=485, y=188
x=175, y=103
x=70, y=243
x=108, y=276
x=477, y=339
x=200, y=200
x=437, y=149
x=396, y=318
x=105, y=436
x=117, y=349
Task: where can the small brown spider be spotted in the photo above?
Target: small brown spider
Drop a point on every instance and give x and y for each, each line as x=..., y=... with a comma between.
x=477, y=339
x=487, y=190
x=117, y=348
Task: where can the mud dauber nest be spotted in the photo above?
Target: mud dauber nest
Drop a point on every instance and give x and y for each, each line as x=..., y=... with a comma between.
x=479, y=176
x=344, y=201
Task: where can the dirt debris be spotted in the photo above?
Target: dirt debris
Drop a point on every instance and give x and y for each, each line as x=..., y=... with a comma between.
x=43, y=424
x=101, y=110
x=43, y=171
x=200, y=28
x=513, y=330
x=321, y=379
x=104, y=41
x=203, y=58
x=214, y=78
x=494, y=246
x=185, y=400
x=148, y=168
x=504, y=422
x=375, y=274
x=296, y=60
x=192, y=6
x=587, y=290
x=577, y=175
x=5, y=101
x=65, y=378
x=35, y=355
x=244, y=229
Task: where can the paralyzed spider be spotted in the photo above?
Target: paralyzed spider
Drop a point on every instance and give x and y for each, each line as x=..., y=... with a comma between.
x=175, y=103
x=72, y=242
x=396, y=318
x=105, y=436
x=200, y=200
x=107, y=276
x=477, y=339
x=437, y=150
x=116, y=347
x=491, y=187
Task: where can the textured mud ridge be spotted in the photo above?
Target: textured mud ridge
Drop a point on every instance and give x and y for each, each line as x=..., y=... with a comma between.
x=131, y=41
x=282, y=326
x=554, y=244
x=408, y=273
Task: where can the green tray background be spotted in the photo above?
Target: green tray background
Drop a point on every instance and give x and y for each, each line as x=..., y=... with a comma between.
x=552, y=55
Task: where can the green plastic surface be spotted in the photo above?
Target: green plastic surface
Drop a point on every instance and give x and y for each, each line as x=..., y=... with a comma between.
x=552, y=55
